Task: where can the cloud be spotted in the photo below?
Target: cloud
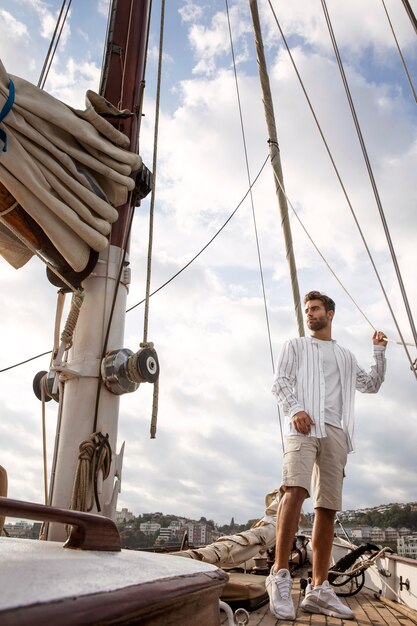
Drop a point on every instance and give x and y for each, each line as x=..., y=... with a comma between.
x=212, y=43
x=190, y=11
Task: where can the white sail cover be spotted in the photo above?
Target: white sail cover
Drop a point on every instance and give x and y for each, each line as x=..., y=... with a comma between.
x=67, y=168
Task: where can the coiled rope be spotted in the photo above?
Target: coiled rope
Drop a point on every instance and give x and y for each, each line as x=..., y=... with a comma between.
x=94, y=456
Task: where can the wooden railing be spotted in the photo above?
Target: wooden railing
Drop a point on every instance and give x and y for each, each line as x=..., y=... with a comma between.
x=88, y=531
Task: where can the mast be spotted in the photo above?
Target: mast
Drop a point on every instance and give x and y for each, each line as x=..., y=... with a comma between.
x=88, y=405
x=276, y=165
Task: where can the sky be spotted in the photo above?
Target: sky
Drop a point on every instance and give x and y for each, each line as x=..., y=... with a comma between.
x=218, y=449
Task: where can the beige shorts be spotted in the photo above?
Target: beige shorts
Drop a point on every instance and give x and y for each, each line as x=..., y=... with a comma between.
x=317, y=462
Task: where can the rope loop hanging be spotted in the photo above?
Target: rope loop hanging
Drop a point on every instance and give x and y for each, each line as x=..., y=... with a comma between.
x=146, y=361
x=94, y=456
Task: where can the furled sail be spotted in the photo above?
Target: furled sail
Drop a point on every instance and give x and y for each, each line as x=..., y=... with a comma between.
x=68, y=169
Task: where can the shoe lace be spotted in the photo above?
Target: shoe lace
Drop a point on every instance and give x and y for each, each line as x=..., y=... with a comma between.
x=284, y=586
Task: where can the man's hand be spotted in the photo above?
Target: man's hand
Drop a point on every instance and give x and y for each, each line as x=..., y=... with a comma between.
x=302, y=422
x=379, y=339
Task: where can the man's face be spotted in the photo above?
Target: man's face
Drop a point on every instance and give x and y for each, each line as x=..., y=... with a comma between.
x=316, y=315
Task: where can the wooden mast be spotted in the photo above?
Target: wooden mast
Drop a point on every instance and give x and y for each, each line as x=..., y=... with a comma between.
x=276, y=164
x=87, y=405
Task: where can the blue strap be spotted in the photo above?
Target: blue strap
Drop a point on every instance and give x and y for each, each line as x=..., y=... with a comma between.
x=4, y=112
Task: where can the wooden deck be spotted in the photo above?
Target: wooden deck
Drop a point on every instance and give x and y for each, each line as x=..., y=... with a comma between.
x=368, y=612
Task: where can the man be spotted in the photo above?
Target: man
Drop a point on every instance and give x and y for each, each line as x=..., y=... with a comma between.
x=315, y=384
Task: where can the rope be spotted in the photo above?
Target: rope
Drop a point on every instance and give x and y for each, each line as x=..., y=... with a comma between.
x=50, y=54
x=361, y=565
x=410, y=14
x=76, y=303
x=410, y=82
x=95, y=456
x=68, y=332
x=144, y=344
x=155, y=400
x=122, y=85
x=375, y=190
x=45, y=468
x=326, y=145
x=154, y=168
x=255, y=227
x=58, y=318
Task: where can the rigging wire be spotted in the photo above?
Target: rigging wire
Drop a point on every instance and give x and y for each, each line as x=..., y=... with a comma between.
x=410, y=14
x=154, y=168
x=410, y=82
x=255, y=227
x=347, y=198
x=54, y=44
x=374, y=187
x=242, y=126
x=217, y=233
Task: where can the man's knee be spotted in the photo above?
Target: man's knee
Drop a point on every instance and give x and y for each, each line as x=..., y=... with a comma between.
x=322, y=512
x=298, y=494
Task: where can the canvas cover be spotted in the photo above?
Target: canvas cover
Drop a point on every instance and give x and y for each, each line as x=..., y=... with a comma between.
x=67, y=168
x=245, y=590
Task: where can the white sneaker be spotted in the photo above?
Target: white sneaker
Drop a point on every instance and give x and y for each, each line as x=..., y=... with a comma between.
x=279, y=585
x=323, y=599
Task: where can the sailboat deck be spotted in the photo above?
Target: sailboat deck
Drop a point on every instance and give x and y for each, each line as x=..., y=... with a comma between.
x=368, y=612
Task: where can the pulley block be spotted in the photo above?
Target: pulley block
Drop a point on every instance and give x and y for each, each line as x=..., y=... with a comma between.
x=43, y=381
x=147, y=365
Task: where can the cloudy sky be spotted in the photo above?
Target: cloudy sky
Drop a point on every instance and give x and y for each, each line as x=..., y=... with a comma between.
x=218, y=449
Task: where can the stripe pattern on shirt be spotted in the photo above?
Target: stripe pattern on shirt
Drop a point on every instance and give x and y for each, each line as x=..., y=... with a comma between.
x=299, y=383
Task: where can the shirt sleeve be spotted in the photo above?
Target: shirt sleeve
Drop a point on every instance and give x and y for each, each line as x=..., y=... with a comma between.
x=370, y=382
x=285, y=381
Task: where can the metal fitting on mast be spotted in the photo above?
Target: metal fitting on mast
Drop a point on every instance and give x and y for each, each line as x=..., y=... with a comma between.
x=123, y=370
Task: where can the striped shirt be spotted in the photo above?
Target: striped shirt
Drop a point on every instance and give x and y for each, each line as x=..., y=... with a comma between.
x=299, y=383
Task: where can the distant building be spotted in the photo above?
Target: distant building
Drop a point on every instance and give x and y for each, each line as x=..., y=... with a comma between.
x=357, y=532
x=407, y=546
x=123, y=516
x=149, y=527
x=391, y=534
x=197, y=533
x=18, y=529
x=377, y=534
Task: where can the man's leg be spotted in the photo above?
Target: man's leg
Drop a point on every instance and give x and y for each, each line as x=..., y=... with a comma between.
x=299, y=457
x=288, y=516
x=322, y=543
x=320, y=596
x=279, y=582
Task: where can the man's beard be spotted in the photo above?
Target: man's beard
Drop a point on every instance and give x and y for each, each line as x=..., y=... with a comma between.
x=317, y=324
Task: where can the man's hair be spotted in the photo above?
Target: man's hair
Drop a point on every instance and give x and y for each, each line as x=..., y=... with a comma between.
x=329, y=304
